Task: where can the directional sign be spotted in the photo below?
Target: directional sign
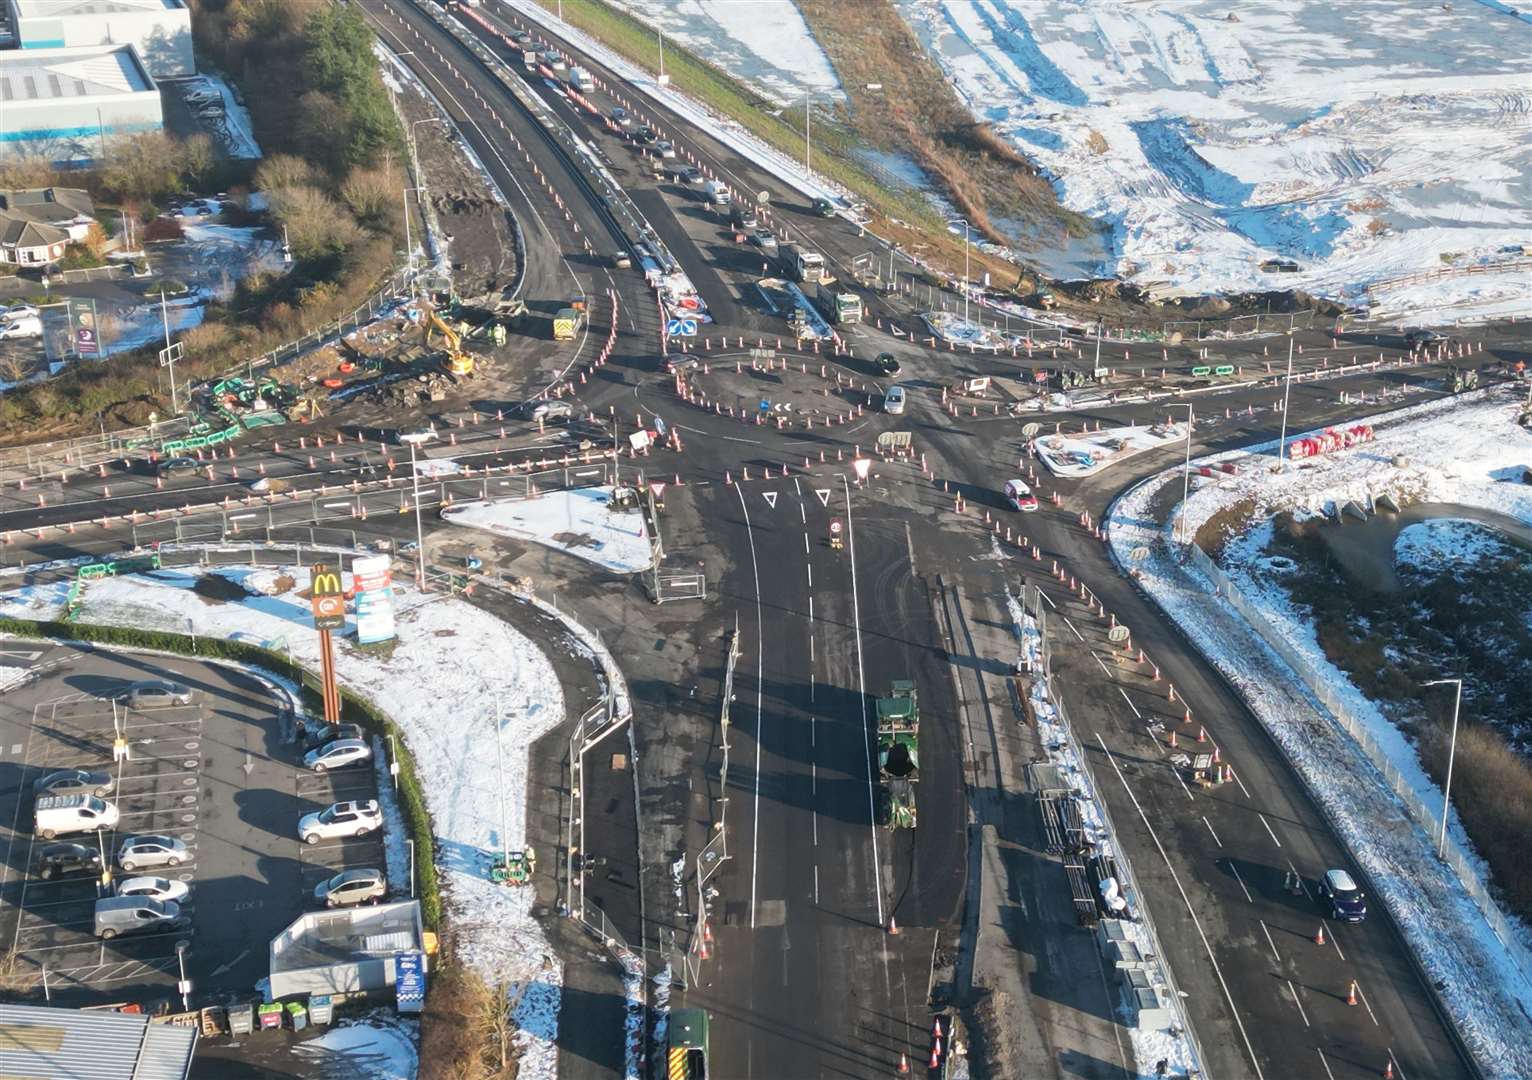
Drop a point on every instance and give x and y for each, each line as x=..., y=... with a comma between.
x=824, y=496
x=1117, y=633
x=771, y=498
x=835, y=528
x=1030, y=430
x=681, y=328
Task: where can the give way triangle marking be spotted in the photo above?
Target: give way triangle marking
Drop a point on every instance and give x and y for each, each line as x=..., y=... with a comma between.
x=824, y=496
x=771, y=498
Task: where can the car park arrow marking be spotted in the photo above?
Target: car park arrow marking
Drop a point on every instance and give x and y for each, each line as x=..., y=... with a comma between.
x=224, y=969
x=248, y=765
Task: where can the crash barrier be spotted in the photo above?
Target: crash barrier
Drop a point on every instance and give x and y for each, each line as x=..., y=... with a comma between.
x=1240, y=325
x=1325, y=693
x=86, y=450
x=716, y=851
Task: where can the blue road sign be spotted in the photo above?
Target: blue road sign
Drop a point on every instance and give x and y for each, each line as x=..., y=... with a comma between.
x=681, y=328
x=409, y=981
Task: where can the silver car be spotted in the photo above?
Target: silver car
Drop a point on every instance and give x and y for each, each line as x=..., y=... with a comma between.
x=73, y=782
x=142, y=852
x=156, y=693
x=352, y=887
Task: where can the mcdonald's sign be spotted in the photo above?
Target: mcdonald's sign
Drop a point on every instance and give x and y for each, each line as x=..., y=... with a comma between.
x=327, y=597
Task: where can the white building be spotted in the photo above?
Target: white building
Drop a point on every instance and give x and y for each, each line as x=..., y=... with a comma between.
x=161, y=29
x=63, y=104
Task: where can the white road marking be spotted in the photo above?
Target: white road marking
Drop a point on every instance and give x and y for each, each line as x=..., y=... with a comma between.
x=1177, y=774
x=16, y=748
x=1270, y=942
x=760, y=660
x=1235, y=870
x=1209, y=824
x=1269, y=833
x=816, y=883
x=1398, y=1068
x=1363, y=995
x=1129, y=700
x=1333, y=941
x=1104, y=668
x=811, y=573
x=1292, y=990
x=1299, y=876
x=861, y=678
x=1072, y=627
x=1325, y=1063
x=1233, y=1011
x=1240, y=782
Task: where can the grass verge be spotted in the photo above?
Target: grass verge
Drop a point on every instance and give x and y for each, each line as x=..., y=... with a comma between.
x=354, y=709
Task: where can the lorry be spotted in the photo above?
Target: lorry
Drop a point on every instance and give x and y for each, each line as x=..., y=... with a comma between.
x=529, y=59
x=59, y=815
x=580, y=79
x=716, y=193
x=686, y=1053
x=840, y=305
x=898, y=754
x=567, y=323
x=802, y=264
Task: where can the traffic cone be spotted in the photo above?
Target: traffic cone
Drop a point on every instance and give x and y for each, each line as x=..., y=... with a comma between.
x=893, y=927
x=936, y=1054
x=1172, y=738
x=1351, y=994
x=1319, y=937
x=707, y=932
x=1202, y=734
x=1388, y=1070
x=904, y=1063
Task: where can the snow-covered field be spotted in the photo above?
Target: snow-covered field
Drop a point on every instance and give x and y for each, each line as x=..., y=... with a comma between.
x=380, y=1046
x=1360, y=140
x=576, y=521
x=458, y=680
x=1456, y=451
x=764, y=43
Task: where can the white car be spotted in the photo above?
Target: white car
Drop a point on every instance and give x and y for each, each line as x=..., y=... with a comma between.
x=339, y=820
x=333, y=755
x=27, y=326
x=665, y=148
x=893, y=400
x=156, y=888
x=19, y=311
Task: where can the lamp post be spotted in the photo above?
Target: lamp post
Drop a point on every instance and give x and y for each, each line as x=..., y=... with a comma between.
x=1457, y=701
x=966, y=229
x=1287, y=392
x=409, y=248
x=415, y=438
x=411, y=843
x=1186, y=473
x=808, y=129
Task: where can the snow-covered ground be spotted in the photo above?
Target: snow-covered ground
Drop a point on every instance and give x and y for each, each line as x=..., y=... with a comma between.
x=764, y=43
x=1455, y=450
x=380, y=1046
x=576, y=521
x=470, y=693
x=1445, y=542
x=234, y=131
x=1088, y=453
x=1498, y=294
x=1211, y=137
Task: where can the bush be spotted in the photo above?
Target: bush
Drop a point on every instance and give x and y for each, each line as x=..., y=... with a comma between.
x=163, y=228
x=80, y=257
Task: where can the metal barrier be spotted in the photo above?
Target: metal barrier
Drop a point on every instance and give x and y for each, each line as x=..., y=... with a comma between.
x=716, y=851
x=1241, y=325
x=1322, y=689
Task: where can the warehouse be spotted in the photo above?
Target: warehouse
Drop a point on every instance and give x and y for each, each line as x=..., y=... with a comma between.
x=63, y=104
x=160, y=28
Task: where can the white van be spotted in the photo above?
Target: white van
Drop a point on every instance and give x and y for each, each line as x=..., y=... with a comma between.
x=893, y=400
x=58, y=815
x=716, y=193
x=1019, y=495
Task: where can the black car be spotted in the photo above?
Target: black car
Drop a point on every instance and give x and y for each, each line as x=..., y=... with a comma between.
x=1346, y=900
x=56, y=860
x=326, y=733
x=177, y=466
x=689, y=174
x=646, y=135
x=823, y=207
x=887, y=364
x=743, y=219
x=1416, y=338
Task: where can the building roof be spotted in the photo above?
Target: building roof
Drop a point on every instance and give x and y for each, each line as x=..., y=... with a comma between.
x=62, y=74
x=90, y=1045
x=59, y=9
x=18, y=233
x=49, y=204
x=347, y=935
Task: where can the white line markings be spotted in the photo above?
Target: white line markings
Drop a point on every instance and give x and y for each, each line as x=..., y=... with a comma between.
x=1363, y=995
x=1269, y=941
x=1072, y=627
x=856, y=620
x=1325, y=1063
x=1235, y=871
x=1269, y=833
x=1209, y=824
x=1129, y=700
x=760, y=660
x=1293, y=990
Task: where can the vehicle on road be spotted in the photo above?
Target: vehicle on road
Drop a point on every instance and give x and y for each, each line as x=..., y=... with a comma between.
x=127, y=914
x=898, y=754
x=802, y=264
x=178, y=466
x=839, y=304
x=1020, y=496
x=409, y=547
x=521, y=39
x=366, y=886
x=887, y=363
x=567, y=322
x=893, y=400
x=73, y=782
x=1418, y=337
x=743, y=219
x=155, y=694
x=764, y=239
x=622, y=261
x=687, y=1054
x=335, y=755
x=58, y=815
x=621, y=117
x=151, y=850
x=28, y=326
x=328, y=733
x=352, y=818
x=155, y=888
x=717, y=194
x=581, y=80
x=646, y=135
x=64, y=858
x=823, y=207
x=1346, y=900
x=665, y=148
x=689, y=174
x=549, y=412
x=421, y=434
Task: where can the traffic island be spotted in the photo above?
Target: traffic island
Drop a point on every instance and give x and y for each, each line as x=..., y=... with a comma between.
x=768, y=389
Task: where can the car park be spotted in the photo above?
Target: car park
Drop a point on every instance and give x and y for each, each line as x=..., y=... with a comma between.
x=335, y=755
x=887, y=363
x=665, y=148
x=73, y=782
x=349, y=887
x=1346, y=900
x=145, y=852
x=129, y=914
x=351, y=818
x=1019, y=495
x=57, y=815
x=155, y=694
x=154, y=888
x=893, y=400
x=64, y=858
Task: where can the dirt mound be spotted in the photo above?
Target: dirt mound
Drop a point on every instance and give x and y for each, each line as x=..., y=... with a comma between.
x=217, y=589
x=992, y=1047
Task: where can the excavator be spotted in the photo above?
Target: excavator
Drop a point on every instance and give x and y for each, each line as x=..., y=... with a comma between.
x=458, y=361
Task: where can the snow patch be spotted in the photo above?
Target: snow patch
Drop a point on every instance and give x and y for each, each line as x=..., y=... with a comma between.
x=577, y=521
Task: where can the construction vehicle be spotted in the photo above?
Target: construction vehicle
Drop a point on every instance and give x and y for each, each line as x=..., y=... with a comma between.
x=686, y=1056
x=899, y=754
x=513, y=867
x=840, y=305
x=567, y=323
x=458, y=362
x=1461, y=379
x=802, y=264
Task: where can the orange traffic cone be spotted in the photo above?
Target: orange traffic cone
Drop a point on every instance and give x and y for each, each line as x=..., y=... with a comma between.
x=893, y=927
x=1319, y=938
x=1351, y=994
x=1388, y=1070
x=936, y=1054
x=707, y=932
x=904, y=1064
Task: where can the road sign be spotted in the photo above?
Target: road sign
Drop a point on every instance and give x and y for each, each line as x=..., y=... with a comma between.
x=835, y=528
x=1138, y=554
x=824, y=496
x=771, y=498
x=681, y=328
x=657, y=488
x=172, y=353
x=1117, y=633
x=327, y=598
x=410, y=981
x=1030, y=430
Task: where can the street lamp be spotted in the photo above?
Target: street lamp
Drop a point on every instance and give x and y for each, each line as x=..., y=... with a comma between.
x=414, y=439
x=1457, y=701
x=1287, y=392
x=1186, y=474
x=393, y=762
x=966, y=229
x=409, y=248
x=411, y=843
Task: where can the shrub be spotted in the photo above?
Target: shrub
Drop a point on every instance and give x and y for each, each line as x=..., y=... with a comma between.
x=163, y=228
x=1095, y=142
x=79, y=257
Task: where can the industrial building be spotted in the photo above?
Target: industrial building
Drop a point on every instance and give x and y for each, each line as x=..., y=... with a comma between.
x=63, y=104
x=160, y=29
x=36, y=1041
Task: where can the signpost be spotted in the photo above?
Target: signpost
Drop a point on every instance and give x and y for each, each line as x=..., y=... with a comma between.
x=372, y=580
x=410, y=981
x=328, y=600
x=681, y=328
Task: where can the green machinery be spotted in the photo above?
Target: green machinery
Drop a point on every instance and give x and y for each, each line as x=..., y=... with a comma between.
x=899, y=754
x=686, y=1054
x=513, y=867
x=1461, y=379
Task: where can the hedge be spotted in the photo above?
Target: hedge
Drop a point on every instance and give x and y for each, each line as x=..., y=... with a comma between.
x=354, y=709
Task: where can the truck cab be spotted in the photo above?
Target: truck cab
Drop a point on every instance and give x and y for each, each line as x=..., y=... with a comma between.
x=686, y=1056
x=805, y=265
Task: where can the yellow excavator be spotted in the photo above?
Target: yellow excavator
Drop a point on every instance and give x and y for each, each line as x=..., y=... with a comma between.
x=458, y=361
